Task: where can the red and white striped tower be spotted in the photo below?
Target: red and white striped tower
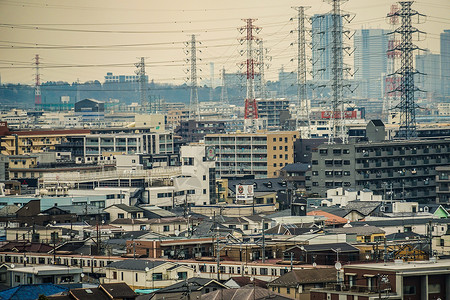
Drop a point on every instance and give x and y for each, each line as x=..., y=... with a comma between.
x=251, y=110
x=37, y=84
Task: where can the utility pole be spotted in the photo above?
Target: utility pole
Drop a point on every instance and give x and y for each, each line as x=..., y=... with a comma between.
x=263, y=244
x=407, y=105
x=302, y=102
x=251, y=109
x=194, y=108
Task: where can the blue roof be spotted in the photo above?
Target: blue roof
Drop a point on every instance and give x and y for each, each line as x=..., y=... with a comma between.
x=31, y=291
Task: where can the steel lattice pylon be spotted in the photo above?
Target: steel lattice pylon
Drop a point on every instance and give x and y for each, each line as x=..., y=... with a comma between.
x=142, y=83
x=251, y=110
x=407, y=105
x=194, y=107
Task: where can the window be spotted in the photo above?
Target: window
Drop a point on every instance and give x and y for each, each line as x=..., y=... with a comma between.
x=285, y=148
x=315, y=162
x=274, y=156
x=315, y=173
x=280, y=139
x=157, y=276
x=274, y=139
x=204, y=191
x=182, y=275
x=288, y=290
x=434, y=288
x=315, y=184
x=120, y=216
x=281, y=147
x=346, y=173
x=17, y=278
x=409, y=290
x=137, y=277
x=274, y=147
x=346, y=151
x=166, y=228
x=346, y=162
x=274, y=164
x=204, y=177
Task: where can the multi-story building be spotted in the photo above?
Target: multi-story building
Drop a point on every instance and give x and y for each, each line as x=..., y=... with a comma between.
x=322, y=30
x=91, y=112
x=445, y=62
x=194, y=131
x=370, y=61
x=128, y=143
x=110, y=77
x=398, y=169
x=429, y=77
x=36, y=141
x=260, y=154
x=392, y=280
x=270, y=109
x=443, y=184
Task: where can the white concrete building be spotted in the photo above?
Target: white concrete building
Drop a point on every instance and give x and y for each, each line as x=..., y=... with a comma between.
x=341, y=196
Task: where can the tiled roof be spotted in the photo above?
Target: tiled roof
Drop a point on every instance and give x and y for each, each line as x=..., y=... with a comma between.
x=305, y=276
x=330, y=218
x=135, y=264
x=31, y=291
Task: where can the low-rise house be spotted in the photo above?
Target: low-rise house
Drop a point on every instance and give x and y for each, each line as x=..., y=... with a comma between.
x=238, y=282
x=44, y=274
x=123, y=211
x=105, y=291
x=245, y=293
x=322, y=254
x=142, y=274
x=194, y=288
x=297, y=284
x=32, y=291
x=363, y=234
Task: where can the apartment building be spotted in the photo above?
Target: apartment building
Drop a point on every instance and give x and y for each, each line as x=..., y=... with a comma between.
x=260, y=154
x=270, y=109
x=397, y=169
x=128, y=143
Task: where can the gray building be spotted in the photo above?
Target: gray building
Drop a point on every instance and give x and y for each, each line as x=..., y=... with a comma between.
x=270, y=109
x=443, y=184
x=429, y=78
x=403, y=170
x=322, y=30
x=370, y=61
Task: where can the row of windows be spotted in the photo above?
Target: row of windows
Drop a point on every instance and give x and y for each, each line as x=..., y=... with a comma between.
x=280, y=148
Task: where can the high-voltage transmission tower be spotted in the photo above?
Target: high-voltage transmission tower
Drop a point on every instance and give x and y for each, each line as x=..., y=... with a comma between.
x=302, y=101
x=142, y=78
x=407, y=105
x=211, y=82
x=37, y=83
x=337, y=114
x=251, y=109
x=224, y=93
x=194, y=107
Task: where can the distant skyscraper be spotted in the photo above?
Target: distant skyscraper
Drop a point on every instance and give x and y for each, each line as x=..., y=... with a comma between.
x=445, y=62
x=370, y=61
x=430, y=80
x=322, y=26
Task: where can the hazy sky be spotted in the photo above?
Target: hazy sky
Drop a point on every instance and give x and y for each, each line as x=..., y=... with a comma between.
x=85, y=39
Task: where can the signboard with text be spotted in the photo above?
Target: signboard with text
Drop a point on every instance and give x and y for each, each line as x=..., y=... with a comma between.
x=244, y=192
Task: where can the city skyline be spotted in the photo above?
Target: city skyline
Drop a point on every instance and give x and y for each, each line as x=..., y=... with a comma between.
x=85, y=41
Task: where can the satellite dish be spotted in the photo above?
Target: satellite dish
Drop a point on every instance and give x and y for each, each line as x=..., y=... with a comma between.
x=82, y=275
x=337, y=266
x=314, y=265
x=147, y=269
x=13, y=266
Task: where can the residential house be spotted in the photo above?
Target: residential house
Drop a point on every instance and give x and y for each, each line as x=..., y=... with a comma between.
x=297, y=284
x=123, y=211
x=193, y=287
x=141, y=274
x=363, y=234
x=44, y=274
x=105, y=291
x=322, y=254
